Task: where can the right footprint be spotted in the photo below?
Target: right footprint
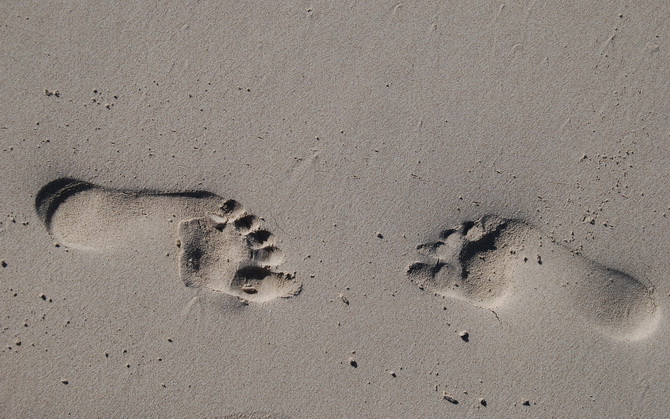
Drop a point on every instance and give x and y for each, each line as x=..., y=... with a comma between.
x=222, y=246
x=487, y=261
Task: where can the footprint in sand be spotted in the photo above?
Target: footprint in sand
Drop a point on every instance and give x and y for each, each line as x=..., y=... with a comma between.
x=222, y=247
x=488, y=261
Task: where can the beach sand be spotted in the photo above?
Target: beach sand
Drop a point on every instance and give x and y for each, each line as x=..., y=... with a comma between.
x=334, y=209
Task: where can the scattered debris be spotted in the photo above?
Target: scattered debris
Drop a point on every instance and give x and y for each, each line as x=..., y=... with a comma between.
x=446, y=396
x=495, y=314
x=539, y=260
x=344, y=299
x=526, y=403
x=52, y=92
x=465, y=335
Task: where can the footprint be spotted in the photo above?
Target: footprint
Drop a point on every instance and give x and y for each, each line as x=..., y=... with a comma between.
x=489, y=261
x=222, y=246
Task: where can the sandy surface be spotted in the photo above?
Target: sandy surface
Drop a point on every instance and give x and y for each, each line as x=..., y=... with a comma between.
x=353, y=132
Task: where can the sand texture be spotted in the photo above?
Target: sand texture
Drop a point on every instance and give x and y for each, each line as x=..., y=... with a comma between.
x=334, y=209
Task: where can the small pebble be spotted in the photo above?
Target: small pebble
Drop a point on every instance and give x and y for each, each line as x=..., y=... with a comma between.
x=66, y=382
x=3, y=263
x=526, y=403
x=446, y=396
x=249, y=289
x=465, y=335
x=483, y=402
x=353, y=362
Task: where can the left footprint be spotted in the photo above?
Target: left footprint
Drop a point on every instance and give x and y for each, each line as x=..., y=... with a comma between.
x=222, y=247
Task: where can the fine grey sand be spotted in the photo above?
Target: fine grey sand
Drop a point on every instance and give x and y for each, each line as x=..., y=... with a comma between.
x=472, y=199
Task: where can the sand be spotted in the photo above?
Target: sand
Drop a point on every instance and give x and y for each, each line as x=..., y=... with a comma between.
x=334, y=209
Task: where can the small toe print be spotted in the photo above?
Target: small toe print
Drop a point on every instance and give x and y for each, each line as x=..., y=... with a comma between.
x=269, y=256
x=247, y=223
x=259, y=238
